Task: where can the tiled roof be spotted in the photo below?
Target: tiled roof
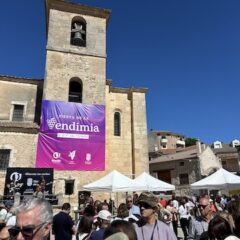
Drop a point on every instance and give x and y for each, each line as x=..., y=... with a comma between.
x=225, y=149
x=186, y=148
x=189, y=154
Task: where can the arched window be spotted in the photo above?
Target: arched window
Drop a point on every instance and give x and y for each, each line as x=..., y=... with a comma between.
x=75, y=90
x=117, y=124
x=78, y=32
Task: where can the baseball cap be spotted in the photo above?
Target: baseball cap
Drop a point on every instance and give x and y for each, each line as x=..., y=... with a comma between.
x=105, y=215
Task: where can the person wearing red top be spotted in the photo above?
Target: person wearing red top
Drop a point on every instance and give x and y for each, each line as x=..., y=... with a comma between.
x=163, y=202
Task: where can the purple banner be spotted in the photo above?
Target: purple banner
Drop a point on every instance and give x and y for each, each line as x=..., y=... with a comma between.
x=71, y=137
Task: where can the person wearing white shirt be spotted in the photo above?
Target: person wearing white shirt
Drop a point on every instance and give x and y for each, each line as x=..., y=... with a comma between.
x=184, y=217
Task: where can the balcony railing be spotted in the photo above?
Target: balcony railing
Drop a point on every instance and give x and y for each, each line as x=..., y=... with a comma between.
x=180, y=142
x=164, y=140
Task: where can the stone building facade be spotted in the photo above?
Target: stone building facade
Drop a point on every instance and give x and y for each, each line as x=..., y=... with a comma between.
x=78, y=58
x=184, y=166
x=165, y=141
x=228, y=155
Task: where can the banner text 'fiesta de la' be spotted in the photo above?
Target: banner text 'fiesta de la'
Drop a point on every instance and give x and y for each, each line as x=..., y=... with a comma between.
x=72, y=136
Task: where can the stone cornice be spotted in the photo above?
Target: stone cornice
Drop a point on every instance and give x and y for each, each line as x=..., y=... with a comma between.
x=75, y=8
x=38, y=82
x=128, y=90
x=73, y=52
x=124, y=90
x=19, y=127
x=19, y=130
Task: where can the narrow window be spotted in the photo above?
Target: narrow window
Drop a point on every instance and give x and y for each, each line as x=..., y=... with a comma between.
x=75, y=90
x=18, y=111
x=78, y=32
x=224, y=164
x=4, y=158
x=183, y=179
x=117, y=124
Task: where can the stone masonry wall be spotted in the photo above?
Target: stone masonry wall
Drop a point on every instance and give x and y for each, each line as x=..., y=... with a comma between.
x=61, y=67
x=190, y=166
x=59, y=34
x=24, y=94
x=140, y=133
x=118, y=148
x=23, y=151
x=65, y=61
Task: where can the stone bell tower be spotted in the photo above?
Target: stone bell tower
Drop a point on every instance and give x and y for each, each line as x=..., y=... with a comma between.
x=76, y=53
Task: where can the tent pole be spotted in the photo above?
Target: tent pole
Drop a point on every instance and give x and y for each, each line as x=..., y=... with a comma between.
x=112, y=202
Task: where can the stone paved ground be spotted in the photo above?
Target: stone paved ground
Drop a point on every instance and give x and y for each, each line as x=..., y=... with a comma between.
x=180, y=233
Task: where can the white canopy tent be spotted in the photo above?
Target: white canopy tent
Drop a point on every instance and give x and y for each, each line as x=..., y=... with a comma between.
x=153, y=184
x=221, y=179
x=114, y=182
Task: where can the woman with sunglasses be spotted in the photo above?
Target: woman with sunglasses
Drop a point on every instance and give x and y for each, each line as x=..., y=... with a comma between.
x=149, y=227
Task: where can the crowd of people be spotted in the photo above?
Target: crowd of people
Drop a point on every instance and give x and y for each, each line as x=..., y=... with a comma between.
x=143, y=217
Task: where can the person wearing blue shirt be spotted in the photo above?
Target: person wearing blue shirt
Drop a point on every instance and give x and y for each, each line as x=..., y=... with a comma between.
x=104, y=219
x=133, y=209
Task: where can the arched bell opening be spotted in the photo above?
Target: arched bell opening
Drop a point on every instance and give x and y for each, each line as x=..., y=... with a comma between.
x=78, y=32
x=75, y=90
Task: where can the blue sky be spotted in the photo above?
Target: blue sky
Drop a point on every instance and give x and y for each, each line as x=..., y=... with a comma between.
x=186, y=52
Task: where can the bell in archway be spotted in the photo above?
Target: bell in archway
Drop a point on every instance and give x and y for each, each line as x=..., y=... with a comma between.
x=78, y=36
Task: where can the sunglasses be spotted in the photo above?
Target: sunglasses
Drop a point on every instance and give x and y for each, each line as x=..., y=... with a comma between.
x=202, y=206
x=28, y=232
x=145, y=206
x=129, y=201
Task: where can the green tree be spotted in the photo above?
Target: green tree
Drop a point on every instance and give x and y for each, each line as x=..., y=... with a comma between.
x=190, y=142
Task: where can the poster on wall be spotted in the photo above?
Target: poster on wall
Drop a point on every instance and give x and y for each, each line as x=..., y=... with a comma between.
x=28, y=181
x=71, y=137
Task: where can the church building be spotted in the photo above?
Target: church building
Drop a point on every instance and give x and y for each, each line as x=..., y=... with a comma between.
x=75, y=71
